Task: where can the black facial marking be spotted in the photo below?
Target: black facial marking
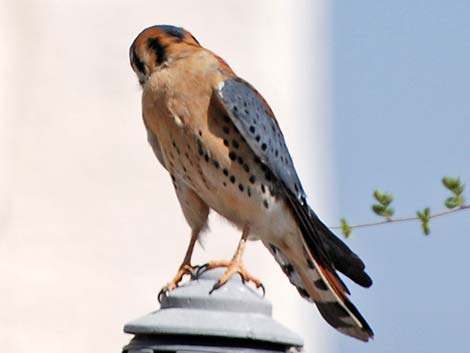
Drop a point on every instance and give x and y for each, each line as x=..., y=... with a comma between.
x=138, y=64
x=155, y=45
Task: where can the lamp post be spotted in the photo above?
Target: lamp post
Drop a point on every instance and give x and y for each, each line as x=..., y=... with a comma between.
x=234, y=318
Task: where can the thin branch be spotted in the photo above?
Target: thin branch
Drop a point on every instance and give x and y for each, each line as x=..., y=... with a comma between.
x=407, y=219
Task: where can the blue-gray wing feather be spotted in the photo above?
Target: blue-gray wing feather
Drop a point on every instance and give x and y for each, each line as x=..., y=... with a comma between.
x=255, y=121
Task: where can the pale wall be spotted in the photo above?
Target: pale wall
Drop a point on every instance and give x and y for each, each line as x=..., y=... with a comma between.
x=90, y=228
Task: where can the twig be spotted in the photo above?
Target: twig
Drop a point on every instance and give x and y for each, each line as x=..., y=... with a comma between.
x=406, y=219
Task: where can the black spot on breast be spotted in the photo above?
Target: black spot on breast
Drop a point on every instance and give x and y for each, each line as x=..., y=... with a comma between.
x=288, y=268
x=240, y=160
x=263, y=147
x=252, y=179
x=206, y=157
x=235, y=144
x=232, y=179
x=303, y=292
x=248, y=191
x=225, y=171
x=226, y=129
x=257, y=138
x=232, y=155
x=241, y=187
x=216, y=164
x=320, y=284
x=265, y=203
x=252, y=129
x=263, y=189
x=226, y=143
x=246, y=168
x=200, y=149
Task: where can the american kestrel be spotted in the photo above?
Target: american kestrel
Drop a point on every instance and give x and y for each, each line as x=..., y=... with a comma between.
x=219, y=140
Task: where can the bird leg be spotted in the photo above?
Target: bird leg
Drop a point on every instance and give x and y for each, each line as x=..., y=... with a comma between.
x=234, y=266
x=185, y=269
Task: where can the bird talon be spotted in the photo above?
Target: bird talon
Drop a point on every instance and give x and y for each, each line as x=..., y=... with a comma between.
x=162, y=292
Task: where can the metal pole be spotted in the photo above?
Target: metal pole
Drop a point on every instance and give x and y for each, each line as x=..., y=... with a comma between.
x=234, y=318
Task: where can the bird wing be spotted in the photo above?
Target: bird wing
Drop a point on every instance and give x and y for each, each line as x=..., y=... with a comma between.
x=256, y=123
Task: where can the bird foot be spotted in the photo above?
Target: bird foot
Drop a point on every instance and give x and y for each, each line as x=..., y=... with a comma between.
x=185, y=269
x=233, y=266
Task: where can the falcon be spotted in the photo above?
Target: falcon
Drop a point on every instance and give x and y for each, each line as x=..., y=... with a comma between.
x=219, y=140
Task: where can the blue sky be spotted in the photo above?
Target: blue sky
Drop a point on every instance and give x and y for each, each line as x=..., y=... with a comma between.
x=401, y=103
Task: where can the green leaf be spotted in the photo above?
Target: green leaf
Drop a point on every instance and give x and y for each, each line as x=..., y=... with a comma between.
x=383, y=198
x=345, y=228
x=427, y=212
x=451, y=183
x=452, y=202
x=388, y=212
x=378, y=209
x=459, y=190
x=425, y=217
x=426, y=228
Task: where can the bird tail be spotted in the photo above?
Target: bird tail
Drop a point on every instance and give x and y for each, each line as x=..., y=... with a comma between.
x=314, y=275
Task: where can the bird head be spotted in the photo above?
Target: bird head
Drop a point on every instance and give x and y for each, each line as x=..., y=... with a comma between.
x=156, y=46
